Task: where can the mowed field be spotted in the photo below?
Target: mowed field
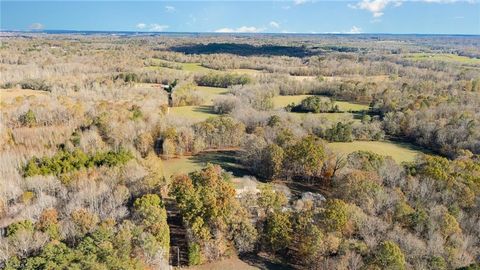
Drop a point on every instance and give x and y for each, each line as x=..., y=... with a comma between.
x=193, y=113
x=399, y=151
x=200, y=112
x=282, y=101
x=210, y=93
x=194, y=67
x=197, y=67
x=444, y=57
x=227, y=159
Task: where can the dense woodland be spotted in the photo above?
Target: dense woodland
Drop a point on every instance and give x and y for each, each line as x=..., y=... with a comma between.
x=87, y=131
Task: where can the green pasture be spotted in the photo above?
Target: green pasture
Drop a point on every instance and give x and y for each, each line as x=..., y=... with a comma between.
x=185, y=164
x=444, y=57
x=399, y=151
x=210, y=93
x=195, y=113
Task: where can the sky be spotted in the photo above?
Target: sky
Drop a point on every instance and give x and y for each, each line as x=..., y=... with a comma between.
x=294, y=16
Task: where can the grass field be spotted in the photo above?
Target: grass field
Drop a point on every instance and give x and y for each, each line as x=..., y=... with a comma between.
x=351, y=107
x=399, y=151
x=282, y=101
x=194, y=67
x=194, y=113
x=186, y=164
x=201, y=112
x=210, y=93
x=445, y=58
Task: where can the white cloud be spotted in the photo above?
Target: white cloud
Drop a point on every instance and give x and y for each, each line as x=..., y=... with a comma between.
x=274, y=24
x=300, y=2
x=376, y=7
x=157, y=27
x=170, y=9
x=445, y=1
x=242, y=29
x=354, y=30
x=36, y=26
x=154, y=27
x=141, y=26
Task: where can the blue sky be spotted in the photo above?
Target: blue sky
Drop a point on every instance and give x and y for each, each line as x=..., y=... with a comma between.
x=296, y=16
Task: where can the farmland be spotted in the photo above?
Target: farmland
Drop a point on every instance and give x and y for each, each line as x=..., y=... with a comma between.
x=400, y=152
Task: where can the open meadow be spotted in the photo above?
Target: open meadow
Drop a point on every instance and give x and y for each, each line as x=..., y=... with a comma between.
x=400, y=152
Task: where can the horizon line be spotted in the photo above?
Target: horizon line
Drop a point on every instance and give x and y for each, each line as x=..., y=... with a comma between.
x=46, y=31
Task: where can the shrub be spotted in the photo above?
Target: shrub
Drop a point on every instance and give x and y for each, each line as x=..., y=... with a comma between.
x=305, y=158
x=35, y=85
x=438, y=263
x=449, y=225
x=271, y=200
x=335, y=216
x=278, y=230
x=274, y=121
x=341, y=132
x=136, y=113
x=315, y=104
x=84, y=220
x=365, y=160
x=48, y=222
x=153, y=217
x=390, y=256
x=272, y=163
x=28, y=119
x=224, y=104
x=127, y=77
x=24, y=225
x=194, y=254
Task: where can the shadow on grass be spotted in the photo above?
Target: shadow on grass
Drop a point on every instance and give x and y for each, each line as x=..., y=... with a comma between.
x=228, y=160
x=204, y=109
x=243, y=49
x=262, y=262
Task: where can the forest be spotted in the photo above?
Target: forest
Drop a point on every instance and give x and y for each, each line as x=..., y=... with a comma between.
x=247, y=151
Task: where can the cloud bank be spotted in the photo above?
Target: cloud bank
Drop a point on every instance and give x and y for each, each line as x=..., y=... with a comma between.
x=154, y=27
x=242, y=29
x=274, y=24
x=376, y=7
x=36, y=26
